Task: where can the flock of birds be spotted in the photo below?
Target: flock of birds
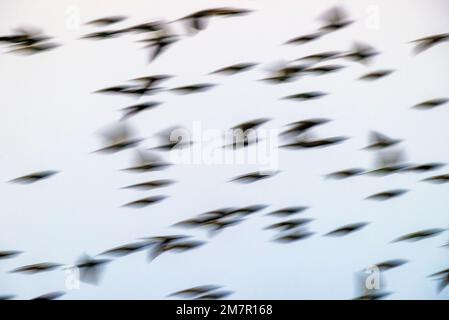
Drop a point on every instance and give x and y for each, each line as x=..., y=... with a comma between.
x=295, y=136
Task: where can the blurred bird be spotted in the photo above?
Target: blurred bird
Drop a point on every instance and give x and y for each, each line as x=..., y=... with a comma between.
x=245, y=133
x=423, y=44
x=145, y=161
x=102, y=35
x=342, y=231
x=380, y=141
x=149, y=185
x=344, y=174
x=299, y=127
x=131, y=111
x=425, y=167
x=386, y=195
x=390, y=264
x=91, y=269
x=145, y=202
x=195, y=291
x=253, y=177
x=126, y=249
x=305, y=38
x=9, y=254
x=335, y=19
x=194, y=88
x=214, y=295
x=375, y=75
x=106, y=21
x=294, y=235
x=305, y=96
x=197, y=21
x=443, y=278
x=320, y=57
x=34, y=177
x=118, y=137
x=288, y=211
x=160, y=44
x=388, y=162
x=235, y=68
x=443, y=178
x=37, y=268
x=362, y=53
x=50, y=296
x=288, y=224
x=420, y=235
x=323, y=69
x=305, y=142
x=430, y=104
x=152, y=81
x=173, y=137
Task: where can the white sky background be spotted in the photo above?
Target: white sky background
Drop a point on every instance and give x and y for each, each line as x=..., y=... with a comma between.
x=50, y=120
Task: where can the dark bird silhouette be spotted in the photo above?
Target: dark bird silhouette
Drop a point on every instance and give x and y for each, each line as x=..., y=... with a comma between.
x=379, y=141
x=149, y=185
x=119, y=137
x=288, y=224
x=152, y=81
x=235, y=68
x=307, y=143
x=9, y=254
x=245, y=211
x=91, y=269
x=50, y=296
x=115, y=89
x=194, y=88
x=102, y=35
x=390, y=264
x=126, y=249
x=154, y=26
x=37, y=268
x=347, y=229
x=245, y=133
x=430, y=104
x=375, y=75
x=288, y=211
x=106, y=21
x=388, y=162
x=145, y=161
x=131, y=111
x=344, y=174
x=7, y=297
x=320, y=57
x=197, y=21
x=253, y=177
x=425, y=43
x=283, y=72
x=294, y=235
x=362, y=53
x=439, y=179
x=306, y=96
x=443, y=279
x=335, y=19
x=305, y=38
x=28, y=40
x=425, y=167
x=373, y=295
x=176, y=243
x=35, y=48
x=195, y=291
x=34, y=177
x=173, y=137
x=323, y=69
x=215, y=295
x=386, y=195
x=144, y=202
x=419, y=235
x=160, y=44
x=299, y=127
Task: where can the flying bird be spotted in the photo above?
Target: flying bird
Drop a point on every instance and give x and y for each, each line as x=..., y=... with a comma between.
x=419, y=235
x=9, y=254
x=288, y=211
x=149, y=185
x=118, y=138
x=145, y=162
x=144, y=202
x=37, y=268
x=194, y=88
x=34, y=177
x=91, y=269
x=387, y=195
x=106, y=21
x=335, y=19
x=376, y=75
x=379, y=141
x=306, y=96
x=439, y=179
x=235, y=68
x=425, y=43
x=347, y=229
x=430, y=104
x=253, y=177
x=131, y=111
x=344, y=174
